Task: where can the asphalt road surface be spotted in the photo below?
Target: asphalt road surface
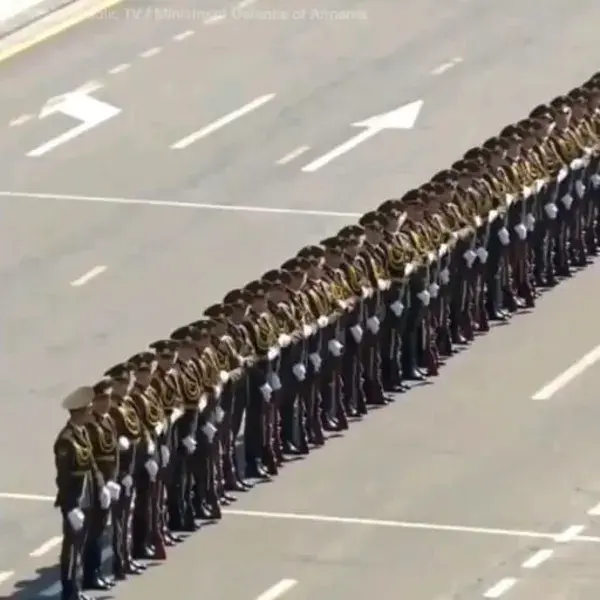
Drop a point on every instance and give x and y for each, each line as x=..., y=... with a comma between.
x=114, y=238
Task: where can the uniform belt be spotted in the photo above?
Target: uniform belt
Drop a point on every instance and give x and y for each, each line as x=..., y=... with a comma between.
x=106, y=459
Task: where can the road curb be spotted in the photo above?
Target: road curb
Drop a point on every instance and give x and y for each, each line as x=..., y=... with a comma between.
x=31, y=15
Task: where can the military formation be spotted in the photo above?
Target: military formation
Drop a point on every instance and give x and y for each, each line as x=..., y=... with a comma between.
x=309, y=347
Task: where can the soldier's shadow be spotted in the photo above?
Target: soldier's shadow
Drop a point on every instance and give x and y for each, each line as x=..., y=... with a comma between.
x=44, y=579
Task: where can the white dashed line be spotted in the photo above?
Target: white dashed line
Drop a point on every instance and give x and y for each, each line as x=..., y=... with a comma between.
x=569, y=534
x=20, y=120
x=150, y=52
x=88, y=276
x=46, y=547
x=594, y=511
x=446, y=66
x=278, y=590
x=245, y=3
x=5, y=576
x=284, y=160
x=184, y=35
x=214, y=19
x=501, y=587
x=119, y=69
x=535, y=560
x=567, y=376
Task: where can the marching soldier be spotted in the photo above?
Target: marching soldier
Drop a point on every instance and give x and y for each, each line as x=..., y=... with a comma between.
x=75, y=474
x=130, y=430
x=164, y=388
x=146, y=541
x=102, y=433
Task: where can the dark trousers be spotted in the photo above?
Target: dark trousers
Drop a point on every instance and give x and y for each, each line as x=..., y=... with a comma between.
x=70, y=559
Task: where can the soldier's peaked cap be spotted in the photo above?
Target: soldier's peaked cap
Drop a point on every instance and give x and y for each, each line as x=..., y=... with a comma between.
x=255, y=287
x=561, y=102
x=372, y=219
x=541, y=111
x=510, y=131
x=331, y=243
x=142, y=360
x=203, y=325
x=293, y=264
x=474, y=153
x=390, y=206
x=185, y=335
x=102, y=387
x=234, y=297
x=277, y=276
x=164, y=347
x=79, y=398
x=311, y=252
x=218, y=311
x=351, y=231
x=412, y=195
x=118, y=371
x=445, y=175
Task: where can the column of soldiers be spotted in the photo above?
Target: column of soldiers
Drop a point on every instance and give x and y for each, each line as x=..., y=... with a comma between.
x=307, y=348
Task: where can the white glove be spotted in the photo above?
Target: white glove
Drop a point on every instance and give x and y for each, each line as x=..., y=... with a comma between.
x=76, y=519
x=595, y=179
x=529, y=222
x=274, y=382
x=316, y=361
x=521, y=231
x=482, y=255
x=218, y=414
x=151, y=447
x=114, y=489
x=567, y=200
x=373, y=325
x=357, y=333
x=424, y=297
x=469, y=257
x=335, y=347
x=224, y=376
x=127, y=484
x=367, y=292
x=266, y=390
x=434, y=290
x=159, y=428
x=445, y=276
x=190, y=444
x=152, y=468
x=307, y=331
x=209, y=431
x=562, y=174
x=580, y=189
x=551, y=210
x=165, y=455
x=526, y=191
x=299, y=371
x=397, y=308
x=504, y=236
x=104, y=497
x=124, y=443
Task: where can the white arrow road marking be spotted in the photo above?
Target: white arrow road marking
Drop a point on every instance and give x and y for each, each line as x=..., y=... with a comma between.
x=403, y=117
x=78, y=105
x=220, y=123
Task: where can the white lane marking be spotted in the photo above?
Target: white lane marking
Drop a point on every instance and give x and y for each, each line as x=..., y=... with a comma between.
x=119, y=69
x=20, y=120
x=174, y=204
x=278, y=590
x=184, y=35
x=290, y=156
x=594, y=511
x=403, y=117
x=98, y=270
x=535, y=560
x=5, y=576
x=500, y=588
x=46, y=547
x=569, y=534
x=38, y=497
x=214, y=19
x=222, y=122
x=576, y=369
x=392, y=524
x=440, y=69
x=245, y=4
x=151, y=52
